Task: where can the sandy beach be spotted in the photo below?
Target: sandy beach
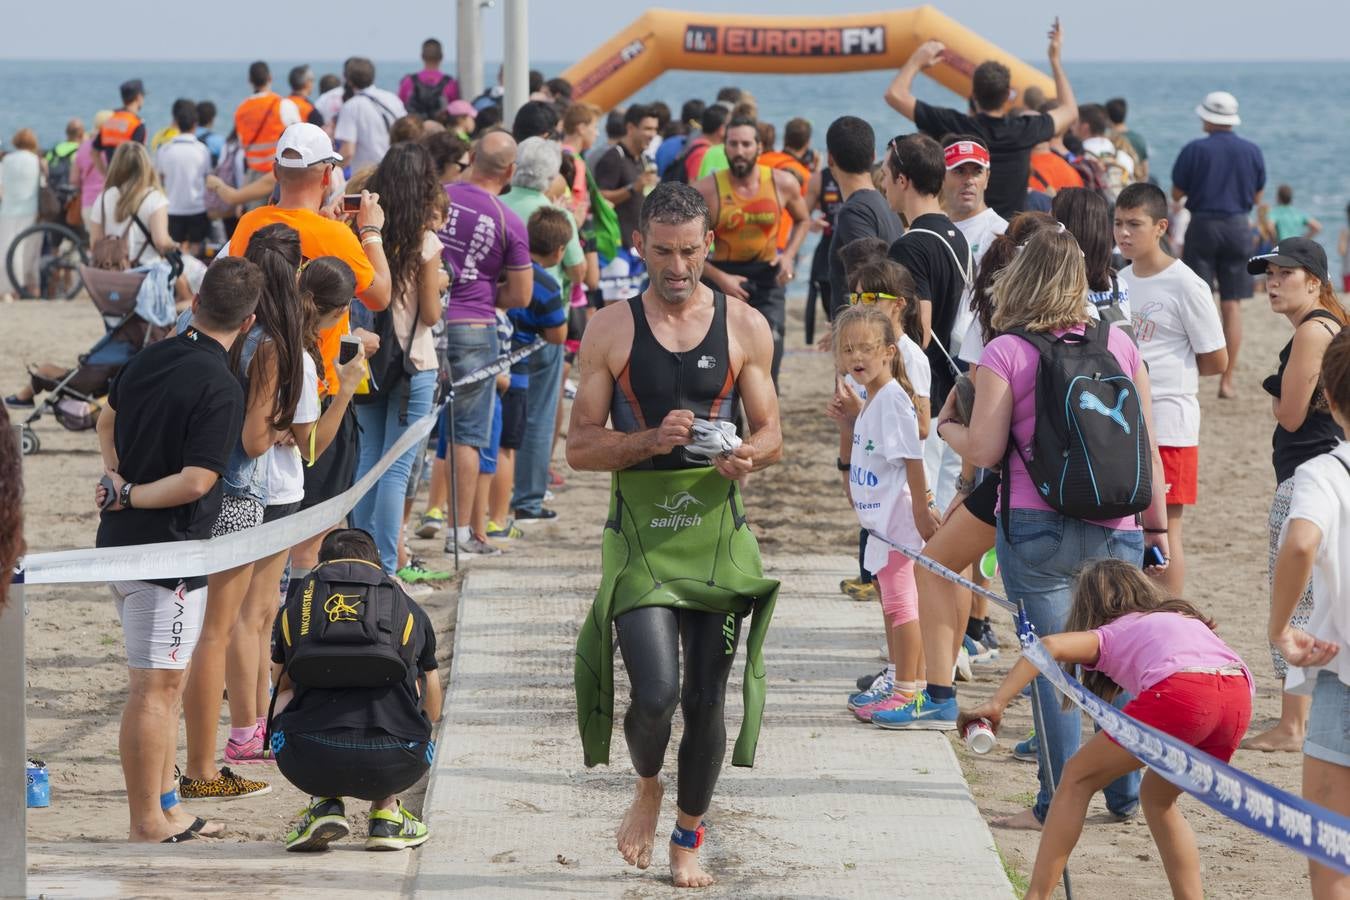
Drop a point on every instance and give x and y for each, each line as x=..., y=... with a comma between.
x=76, y=674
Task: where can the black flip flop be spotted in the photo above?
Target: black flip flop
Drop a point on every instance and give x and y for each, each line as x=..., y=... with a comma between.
x=198, y=824
x=181, y=836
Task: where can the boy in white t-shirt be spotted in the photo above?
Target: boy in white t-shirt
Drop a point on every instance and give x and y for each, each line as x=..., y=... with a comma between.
x=1180, y=338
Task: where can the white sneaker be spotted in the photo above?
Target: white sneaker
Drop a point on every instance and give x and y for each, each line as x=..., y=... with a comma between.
x=474, y=547
x=961, y=671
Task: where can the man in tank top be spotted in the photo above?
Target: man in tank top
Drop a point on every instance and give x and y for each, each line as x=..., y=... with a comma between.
x=748, y=201
x=650, y=368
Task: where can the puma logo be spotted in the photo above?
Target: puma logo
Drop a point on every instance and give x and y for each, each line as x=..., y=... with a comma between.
x=1094, y=403
x=677, y=503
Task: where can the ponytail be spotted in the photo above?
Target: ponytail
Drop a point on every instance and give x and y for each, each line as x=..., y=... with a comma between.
x=283, y=316
x=1328, y=299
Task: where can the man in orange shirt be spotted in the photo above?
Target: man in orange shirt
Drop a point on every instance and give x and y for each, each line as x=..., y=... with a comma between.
x=303, y=167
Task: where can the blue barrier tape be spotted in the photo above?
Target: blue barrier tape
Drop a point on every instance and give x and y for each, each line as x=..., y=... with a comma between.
x=1312, y=830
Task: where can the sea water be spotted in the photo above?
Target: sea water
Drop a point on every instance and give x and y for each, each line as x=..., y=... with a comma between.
x=1294, y=111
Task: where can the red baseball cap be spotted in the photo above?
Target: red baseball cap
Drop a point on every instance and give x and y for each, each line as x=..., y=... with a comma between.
x=963, y=152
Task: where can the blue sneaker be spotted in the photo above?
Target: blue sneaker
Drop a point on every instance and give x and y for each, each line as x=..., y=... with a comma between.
x=924, y=714
x=879, y=690
x=1028, y=750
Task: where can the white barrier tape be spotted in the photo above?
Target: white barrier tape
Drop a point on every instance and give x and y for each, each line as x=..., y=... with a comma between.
x=187, y=559
x=1312, y=830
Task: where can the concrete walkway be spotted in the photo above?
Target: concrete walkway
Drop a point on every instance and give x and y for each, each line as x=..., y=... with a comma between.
x=516, y=813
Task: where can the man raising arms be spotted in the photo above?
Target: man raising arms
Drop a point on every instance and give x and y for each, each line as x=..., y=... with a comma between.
x=654, y=366
x=748, y=200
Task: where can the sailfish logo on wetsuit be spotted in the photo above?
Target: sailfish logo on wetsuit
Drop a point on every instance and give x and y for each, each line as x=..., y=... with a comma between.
x=677, y=517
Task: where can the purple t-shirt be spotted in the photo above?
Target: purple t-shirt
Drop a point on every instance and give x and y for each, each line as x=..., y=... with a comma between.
x=1016, y=362
x=1138, y=650
x=428, y=77
x=481, y=240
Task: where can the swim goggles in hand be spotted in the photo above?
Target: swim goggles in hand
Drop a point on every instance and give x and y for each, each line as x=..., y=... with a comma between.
x=712, y=439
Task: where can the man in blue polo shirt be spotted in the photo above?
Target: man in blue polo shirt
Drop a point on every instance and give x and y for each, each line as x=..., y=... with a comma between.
x=1221, y=176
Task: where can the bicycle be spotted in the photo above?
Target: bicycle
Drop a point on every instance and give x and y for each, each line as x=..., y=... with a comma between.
x=63, y=251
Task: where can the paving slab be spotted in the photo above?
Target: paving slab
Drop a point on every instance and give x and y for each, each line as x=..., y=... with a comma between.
x=516, y=813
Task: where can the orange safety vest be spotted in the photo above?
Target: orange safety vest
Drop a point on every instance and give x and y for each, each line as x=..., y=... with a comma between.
x=746, y=230
x=302, y=104
x=778, y=159
x=119, y=128
x=257, y=121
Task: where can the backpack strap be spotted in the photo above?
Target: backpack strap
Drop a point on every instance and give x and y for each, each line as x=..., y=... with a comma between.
x=968, y=270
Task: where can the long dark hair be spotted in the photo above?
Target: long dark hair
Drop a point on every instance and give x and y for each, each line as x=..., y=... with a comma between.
x=408, y=183
x=283, y=316
x=1087, y=216
x=996, y=258
x=1105, y=590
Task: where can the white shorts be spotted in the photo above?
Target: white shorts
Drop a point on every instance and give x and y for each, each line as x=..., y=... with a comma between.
x=160, y=626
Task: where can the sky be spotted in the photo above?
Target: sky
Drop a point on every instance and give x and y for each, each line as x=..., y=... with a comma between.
x=566, y=30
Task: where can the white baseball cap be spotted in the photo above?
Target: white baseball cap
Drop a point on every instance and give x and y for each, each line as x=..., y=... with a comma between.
x=310, y=144
x=1219, y=108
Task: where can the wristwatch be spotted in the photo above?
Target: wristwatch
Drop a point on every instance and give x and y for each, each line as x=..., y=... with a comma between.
x=124, y=496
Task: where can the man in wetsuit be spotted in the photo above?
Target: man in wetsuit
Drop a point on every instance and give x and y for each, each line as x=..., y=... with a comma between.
x=747, y=201
x=651, y=366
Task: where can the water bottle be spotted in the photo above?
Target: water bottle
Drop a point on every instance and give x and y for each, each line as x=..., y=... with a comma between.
x=39, y=788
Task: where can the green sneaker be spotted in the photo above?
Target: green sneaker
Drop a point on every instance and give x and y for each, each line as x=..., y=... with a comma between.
x=507, y=532
x=416, y=572
x=395, y=829
x=321, y=823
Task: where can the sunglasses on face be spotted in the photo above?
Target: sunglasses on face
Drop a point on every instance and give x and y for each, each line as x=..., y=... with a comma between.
x=869, y=297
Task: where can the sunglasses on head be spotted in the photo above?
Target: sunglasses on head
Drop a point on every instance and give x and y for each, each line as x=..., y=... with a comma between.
x=869, y=297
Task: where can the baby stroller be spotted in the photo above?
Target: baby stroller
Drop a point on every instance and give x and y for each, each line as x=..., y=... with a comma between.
x=73, y=399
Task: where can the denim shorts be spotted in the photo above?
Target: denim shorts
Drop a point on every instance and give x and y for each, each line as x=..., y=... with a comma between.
x=1328, y=738
x=468, y=349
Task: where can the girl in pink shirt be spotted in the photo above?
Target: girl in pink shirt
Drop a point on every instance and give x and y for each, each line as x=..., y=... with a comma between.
x=1128, y=635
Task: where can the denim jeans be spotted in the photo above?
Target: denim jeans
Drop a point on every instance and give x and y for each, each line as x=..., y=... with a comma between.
x=380, y=511
x=470, y=348
x=541, y=409
x=1039, y=553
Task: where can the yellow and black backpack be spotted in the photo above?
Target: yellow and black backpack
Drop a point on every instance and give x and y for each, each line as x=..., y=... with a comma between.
x=348, y=626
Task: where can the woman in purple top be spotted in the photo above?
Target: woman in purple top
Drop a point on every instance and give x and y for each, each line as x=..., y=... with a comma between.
x=1130, y=636
x=1039, y=550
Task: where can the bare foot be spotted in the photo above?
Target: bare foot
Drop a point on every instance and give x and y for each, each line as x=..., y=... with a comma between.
x=1023, y=821
x=685, y=871
x=1280, y=738
x=182, y=821
x=638, y=829
x=1227, y=390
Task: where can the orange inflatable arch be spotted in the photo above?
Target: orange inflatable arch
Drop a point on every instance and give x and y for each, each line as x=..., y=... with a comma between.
x=661, y=40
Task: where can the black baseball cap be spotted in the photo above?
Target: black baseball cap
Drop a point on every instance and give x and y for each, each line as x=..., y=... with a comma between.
x=1294, y=252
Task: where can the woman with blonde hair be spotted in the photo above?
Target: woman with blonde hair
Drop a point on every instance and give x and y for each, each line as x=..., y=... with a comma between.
x=21, y=173
x=1044, y=292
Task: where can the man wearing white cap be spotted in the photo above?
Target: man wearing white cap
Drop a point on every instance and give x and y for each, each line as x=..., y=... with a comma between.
x=1221, y=177
x=963, y=191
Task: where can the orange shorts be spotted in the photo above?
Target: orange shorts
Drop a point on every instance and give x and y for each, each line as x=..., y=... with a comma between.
x=1181, y=467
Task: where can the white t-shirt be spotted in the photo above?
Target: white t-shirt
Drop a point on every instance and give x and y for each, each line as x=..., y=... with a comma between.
x=884, y=436
x=19, y=174
x=152, y=203
x=917, y=368
x=1322, y=496
x=1174, y=319
x=1105, y=149
x=979, y=231
x=329, y=104
x=183, y=164
x=285, y=465
x=364, y=120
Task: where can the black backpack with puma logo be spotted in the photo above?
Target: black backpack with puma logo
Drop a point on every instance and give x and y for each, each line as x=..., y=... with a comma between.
x=1090, y=456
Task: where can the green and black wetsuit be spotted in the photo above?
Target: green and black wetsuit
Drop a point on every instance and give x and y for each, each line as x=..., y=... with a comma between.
x=680, y=565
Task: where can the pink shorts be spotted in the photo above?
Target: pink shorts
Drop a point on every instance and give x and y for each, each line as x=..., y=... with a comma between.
x=899, y=592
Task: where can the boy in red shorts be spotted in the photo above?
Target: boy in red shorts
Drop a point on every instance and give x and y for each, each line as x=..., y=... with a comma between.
x=1180, y=338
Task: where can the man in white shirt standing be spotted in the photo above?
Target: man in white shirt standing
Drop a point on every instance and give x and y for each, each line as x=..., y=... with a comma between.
x=183, y=164
x=967, y=159
x=1180, y=338
x=362, y=133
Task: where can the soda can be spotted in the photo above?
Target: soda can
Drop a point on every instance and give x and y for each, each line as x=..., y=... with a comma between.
x=979, y=736
x=39, y=788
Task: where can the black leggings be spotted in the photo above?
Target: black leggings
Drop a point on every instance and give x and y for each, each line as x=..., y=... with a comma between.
x=650, y=640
